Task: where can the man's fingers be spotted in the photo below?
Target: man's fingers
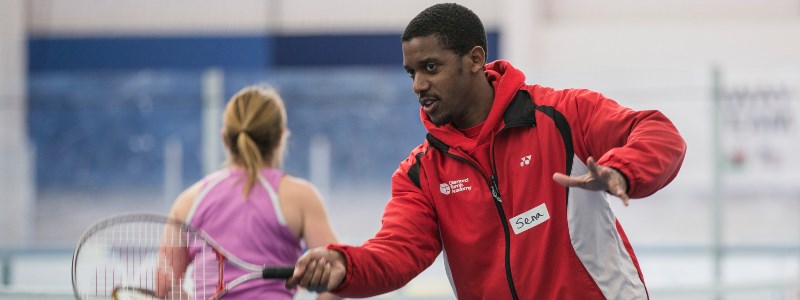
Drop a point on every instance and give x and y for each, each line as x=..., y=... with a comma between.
x=299, y=269
x=315, y=269
x=585, y=181
x=616, y=184
x=626, y=200
x=326, y=275
x=305, y=281
x=593, y=167
x=561, y=179
x=599, y=178
x=620, y=193
x=316, y=277
x=624, y=197
x=567, y=181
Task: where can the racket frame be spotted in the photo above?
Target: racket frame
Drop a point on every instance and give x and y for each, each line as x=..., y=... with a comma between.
x=254, y=271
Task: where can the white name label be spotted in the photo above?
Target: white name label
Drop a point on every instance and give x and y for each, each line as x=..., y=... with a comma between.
x=529, y=219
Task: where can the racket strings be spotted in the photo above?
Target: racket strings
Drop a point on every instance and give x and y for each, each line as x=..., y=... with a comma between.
x=137, y=256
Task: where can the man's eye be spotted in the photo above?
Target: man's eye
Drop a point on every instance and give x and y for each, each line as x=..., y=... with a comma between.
x=410, y=73
x=430, y=67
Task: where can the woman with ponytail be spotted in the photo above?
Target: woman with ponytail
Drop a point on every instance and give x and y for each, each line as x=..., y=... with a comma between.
x=251, y=207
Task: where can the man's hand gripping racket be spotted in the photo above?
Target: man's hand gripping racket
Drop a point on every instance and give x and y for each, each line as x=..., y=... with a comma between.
x=318, y=270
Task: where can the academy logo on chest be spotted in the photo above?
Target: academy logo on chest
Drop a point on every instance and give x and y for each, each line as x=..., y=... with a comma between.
x=455, y=186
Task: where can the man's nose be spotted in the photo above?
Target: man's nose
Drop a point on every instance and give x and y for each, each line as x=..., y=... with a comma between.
x=421, y=84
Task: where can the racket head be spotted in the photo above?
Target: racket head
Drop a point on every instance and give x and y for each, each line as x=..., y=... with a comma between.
x=148, y=254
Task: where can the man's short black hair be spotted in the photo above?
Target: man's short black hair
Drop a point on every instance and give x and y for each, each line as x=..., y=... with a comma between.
x=458, y=28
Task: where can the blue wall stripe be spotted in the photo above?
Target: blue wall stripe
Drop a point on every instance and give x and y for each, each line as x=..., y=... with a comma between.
x=334, y=50
x=64, y=54
x=242, y=52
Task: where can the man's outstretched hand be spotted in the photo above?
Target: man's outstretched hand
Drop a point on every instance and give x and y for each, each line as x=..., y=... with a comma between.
x=599, y=178
x=318, y=270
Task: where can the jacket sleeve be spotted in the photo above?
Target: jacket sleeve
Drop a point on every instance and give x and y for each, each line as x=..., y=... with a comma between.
x=643, y=145
x=407, y=243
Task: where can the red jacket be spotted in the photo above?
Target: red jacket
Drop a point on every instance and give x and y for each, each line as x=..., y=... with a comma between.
x=508, y=231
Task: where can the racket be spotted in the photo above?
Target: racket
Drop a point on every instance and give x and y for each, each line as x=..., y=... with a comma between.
x=150, y=256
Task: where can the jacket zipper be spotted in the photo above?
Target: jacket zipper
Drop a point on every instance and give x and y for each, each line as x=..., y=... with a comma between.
x=498, y=203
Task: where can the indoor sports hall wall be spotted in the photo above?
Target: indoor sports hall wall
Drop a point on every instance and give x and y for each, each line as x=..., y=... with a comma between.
x=110, y=106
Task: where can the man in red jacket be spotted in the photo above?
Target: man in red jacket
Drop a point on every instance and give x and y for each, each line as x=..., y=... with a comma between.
x=511, y=182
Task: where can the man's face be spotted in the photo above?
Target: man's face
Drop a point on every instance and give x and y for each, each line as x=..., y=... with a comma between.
x=439, y=80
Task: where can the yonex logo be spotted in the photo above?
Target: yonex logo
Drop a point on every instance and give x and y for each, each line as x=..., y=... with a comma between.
x=525, y=161
x=455, y=186
x=445, y=188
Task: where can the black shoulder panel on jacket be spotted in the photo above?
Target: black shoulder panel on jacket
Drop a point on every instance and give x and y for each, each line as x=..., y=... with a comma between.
x=436, y=143
x=520, y=111
x=413, y=172
x=564, y=129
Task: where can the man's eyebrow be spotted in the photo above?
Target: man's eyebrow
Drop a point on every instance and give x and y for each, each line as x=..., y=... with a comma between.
x=427, y=60
x=420, y=63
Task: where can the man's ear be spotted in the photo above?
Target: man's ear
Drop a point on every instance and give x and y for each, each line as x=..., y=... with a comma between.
x=477, y=58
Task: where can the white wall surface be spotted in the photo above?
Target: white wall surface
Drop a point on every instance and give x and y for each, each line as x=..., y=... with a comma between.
x=365, y=15
x=156, y=17
x=147, y=17
x=15, y=157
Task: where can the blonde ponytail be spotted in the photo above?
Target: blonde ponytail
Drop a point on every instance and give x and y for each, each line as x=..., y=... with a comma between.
x=255, y=126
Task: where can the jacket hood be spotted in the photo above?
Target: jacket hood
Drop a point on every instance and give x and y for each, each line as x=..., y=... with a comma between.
x=506, y=81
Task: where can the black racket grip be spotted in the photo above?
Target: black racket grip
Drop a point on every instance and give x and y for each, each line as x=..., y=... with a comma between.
x=277, y=272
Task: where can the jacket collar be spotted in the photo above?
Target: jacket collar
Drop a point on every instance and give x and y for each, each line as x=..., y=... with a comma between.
x=521, y=111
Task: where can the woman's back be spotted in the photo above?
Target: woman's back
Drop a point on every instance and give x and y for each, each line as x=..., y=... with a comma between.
x=253, y=228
